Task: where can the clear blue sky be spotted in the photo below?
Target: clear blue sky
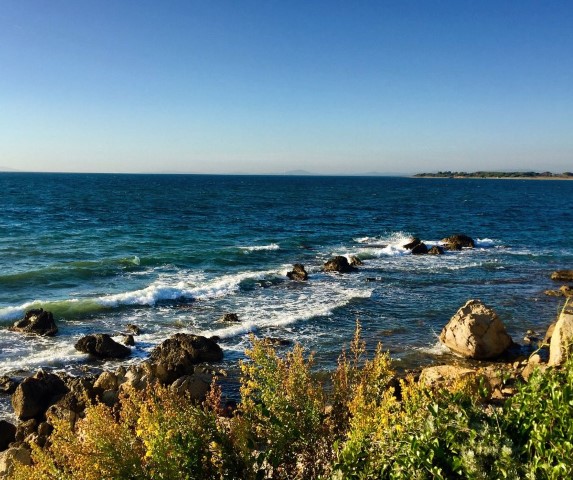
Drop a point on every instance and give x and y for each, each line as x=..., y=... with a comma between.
x=268, y=86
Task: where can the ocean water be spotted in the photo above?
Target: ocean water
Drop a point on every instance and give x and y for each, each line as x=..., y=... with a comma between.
x=173, y=253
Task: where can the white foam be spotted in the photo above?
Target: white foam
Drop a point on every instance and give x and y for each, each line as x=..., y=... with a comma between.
x=321, y=299
x=486, y=243
x=258, y=248
x=161, y=290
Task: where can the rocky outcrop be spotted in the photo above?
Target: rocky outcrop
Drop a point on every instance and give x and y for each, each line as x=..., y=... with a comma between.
x=338, y=264
x=39, y=322
x=178, y=355
x=561, y=345
x=298, y=273
x=35, y=394
x=562, y=276
x=564, y=291
x=195, y=387
x=457, y=242
x=101, y=345
x=475, y=331
x=436, y=250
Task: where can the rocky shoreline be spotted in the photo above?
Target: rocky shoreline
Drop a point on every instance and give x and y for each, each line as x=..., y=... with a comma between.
x=187, y=364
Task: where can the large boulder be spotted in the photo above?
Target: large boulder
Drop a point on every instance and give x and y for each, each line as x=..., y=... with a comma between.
x=457, y=242
x=35, y=394
x=562, y=276
x=561, y=345
x=475, y=331
x=195, y=387
x=36, y=321
x=338, y=264
x=178, y=355
x=298, y=273
x=101, y=345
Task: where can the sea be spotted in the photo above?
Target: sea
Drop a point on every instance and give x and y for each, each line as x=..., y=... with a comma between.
x=174, y=253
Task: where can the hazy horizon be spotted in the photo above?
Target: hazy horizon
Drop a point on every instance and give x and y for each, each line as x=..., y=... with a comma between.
x=332, y=88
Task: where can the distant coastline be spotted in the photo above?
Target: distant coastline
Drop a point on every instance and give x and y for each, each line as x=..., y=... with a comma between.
x=499, y=175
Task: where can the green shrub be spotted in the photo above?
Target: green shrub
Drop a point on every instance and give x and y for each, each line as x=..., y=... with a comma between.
x=540, y=420
x=281, y=428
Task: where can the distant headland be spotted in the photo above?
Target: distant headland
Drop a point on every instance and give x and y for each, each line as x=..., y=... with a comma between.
x=500, y=175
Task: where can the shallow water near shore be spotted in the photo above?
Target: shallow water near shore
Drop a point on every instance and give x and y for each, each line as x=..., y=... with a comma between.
x=174, y=253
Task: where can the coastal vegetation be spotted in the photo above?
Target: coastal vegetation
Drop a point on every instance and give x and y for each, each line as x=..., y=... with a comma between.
x=487, y=174
x=363, y=423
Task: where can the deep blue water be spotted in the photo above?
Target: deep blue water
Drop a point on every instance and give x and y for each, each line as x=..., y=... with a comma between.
x=175, y=252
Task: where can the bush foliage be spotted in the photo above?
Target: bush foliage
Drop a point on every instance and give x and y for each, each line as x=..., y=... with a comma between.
x=366, y=425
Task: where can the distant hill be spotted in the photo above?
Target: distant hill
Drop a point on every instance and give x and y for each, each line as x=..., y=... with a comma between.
x=487, y=174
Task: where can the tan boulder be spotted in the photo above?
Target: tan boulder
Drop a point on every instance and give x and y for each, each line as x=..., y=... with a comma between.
x=445, y=375
x=475, y=331
x=561, y=344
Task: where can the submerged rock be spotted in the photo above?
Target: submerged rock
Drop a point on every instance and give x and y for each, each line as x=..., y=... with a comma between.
x=562, y=276
x=475, y=331
x=230, y=317
x=338, y=264
x=36, y=321
x=298, y=273
x=355, y=261
x=101, y=345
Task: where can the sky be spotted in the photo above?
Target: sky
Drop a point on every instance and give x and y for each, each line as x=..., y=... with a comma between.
x=241, y=86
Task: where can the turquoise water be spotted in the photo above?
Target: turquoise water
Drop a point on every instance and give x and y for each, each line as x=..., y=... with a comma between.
x=175, y=252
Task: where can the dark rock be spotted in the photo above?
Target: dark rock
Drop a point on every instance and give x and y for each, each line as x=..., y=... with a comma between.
x=436, y=250
x=420, y=249
x=457, y=242
x=35, y=394
x=177, y=355
x=25, y=429
x=128, y=340
x=7, y=434
x=338, y=264
x=230, y=317
x=133, y=329
x=298, y=273
x=37, y=321
x=562, y=276
x=7, y=385
x=412, y=243
x=101, y=345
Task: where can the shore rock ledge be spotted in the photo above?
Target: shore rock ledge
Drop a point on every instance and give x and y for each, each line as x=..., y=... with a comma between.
x=475, y=331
